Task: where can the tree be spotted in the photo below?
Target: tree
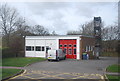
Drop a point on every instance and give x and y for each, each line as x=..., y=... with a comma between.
x=8, y=18
x=87, y=28
x=54, y=33
x=110, y=38
x=84, y=29
x=74, y=33
x=110, y=33
x=40, y=30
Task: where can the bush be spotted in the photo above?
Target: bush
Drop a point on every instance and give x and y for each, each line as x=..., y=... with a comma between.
x=6, y=52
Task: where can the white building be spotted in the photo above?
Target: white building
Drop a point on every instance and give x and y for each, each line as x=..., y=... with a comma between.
x=37, y=46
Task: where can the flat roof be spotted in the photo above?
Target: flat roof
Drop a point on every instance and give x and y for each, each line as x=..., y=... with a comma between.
x=54, y=37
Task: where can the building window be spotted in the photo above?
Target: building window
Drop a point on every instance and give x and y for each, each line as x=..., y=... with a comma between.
x=91, y=48
x=75, y=51
x=70, y=45
x=32, y=48
x=74, y=45
x=65, y=45
x=43, y=49
x=70, y=51
x=65, y=50
x=60, y=45
x=28, y=48
x=38, y=48
x=47, y=48
x=86, y=48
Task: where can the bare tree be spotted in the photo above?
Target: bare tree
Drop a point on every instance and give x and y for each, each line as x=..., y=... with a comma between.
x=8, y=18
x=87, y=28
x=110, y=33
x=84, y=29
x=74, y=33
x=54, y=33
x=110, y=38
x=40, y=30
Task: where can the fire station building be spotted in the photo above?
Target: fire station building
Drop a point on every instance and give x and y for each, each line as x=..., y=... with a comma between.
x=73, y=45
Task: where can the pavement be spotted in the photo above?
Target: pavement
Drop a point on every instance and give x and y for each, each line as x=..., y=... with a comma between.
x=113, y=73
x=68, y=69
x=9, y=67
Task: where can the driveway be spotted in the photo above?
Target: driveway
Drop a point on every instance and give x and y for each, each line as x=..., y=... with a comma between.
x=68, y=69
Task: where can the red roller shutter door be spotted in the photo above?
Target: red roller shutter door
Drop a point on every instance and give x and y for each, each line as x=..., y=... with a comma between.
x=69, y=46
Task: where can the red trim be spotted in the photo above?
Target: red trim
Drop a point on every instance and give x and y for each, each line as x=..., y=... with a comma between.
x=68, y=42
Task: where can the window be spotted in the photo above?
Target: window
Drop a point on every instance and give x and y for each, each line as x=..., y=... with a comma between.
x=70, y=51
x=32, y=48
x=60, y=45
x=65, y=50
x=86, y=48
x=89, y=48
x=65, y=45
x=70, y=45
x=43, y=49
x=38, y=48
x=28, y=48
x=75, y=51
x=74, y=45
x=47, y=48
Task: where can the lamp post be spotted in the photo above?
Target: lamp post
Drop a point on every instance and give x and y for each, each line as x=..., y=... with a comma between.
x=24, y=44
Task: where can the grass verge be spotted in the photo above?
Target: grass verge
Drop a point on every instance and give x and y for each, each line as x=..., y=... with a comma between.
x=20, y=61
x=9, y=72
x=113, y=78
x=17, y=62
x=113, y=68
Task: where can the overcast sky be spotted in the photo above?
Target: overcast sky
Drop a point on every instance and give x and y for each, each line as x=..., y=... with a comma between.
x=64, y=16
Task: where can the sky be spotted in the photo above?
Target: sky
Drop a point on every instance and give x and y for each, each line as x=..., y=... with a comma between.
x=66, y=16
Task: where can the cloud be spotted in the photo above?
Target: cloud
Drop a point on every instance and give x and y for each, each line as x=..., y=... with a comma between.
x=64, y=16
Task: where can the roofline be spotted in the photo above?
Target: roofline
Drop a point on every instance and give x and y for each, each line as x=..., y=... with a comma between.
x=59, y=36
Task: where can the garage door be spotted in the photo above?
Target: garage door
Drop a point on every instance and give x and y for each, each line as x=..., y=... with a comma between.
x=69, y=47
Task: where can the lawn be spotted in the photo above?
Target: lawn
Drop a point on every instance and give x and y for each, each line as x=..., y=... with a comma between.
x=17, y=62
x=9, y=72
x=113, y=78
x=113, y=68
x=20, y=61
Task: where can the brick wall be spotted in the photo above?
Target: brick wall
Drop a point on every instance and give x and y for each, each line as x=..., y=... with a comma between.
x=87, y=45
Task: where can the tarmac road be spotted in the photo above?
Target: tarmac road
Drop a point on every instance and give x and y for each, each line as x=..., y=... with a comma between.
x=68, y=69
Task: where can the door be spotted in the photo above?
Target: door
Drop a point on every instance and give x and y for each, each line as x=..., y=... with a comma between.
x=47, y=48
x=69, y=47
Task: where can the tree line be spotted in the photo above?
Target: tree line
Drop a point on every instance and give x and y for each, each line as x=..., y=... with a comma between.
x=109, y=34
x=14, y=28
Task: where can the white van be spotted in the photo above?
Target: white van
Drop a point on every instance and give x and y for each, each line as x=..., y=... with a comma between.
x=56, y=55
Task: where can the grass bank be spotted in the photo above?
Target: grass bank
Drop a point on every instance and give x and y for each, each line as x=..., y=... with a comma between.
x=113, y=68
x=17, y=62
x=9, y=72
x=113, y=78
x=20, y=61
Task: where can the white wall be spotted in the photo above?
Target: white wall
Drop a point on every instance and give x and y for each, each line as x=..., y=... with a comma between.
x=29, y=53
x=52, y=43
x=78, y=48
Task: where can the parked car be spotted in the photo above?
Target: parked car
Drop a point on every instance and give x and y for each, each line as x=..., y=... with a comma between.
x=56, y=55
